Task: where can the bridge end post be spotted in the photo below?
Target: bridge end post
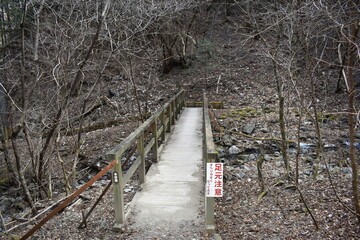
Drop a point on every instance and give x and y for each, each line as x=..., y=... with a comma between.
x=117, y=179
x=210, y=201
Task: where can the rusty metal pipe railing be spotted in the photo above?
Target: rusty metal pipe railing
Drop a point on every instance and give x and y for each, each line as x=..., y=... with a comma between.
x=69, y=199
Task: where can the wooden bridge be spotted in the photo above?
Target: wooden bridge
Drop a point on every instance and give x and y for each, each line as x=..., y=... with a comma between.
x=179, y=140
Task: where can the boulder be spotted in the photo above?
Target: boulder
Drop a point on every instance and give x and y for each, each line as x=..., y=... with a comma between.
x=227, y=140
x=248, y=128
x=234, y=150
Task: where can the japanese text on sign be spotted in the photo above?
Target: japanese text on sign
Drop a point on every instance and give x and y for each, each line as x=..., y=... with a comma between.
x=214, y=179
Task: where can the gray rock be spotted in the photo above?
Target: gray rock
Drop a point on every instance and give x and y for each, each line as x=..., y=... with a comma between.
x=307, y=172
x=349, y=176
x=248, y=128
x=330, y=147
x=278, y=164
x=304, y=150
x=102, y=223
x=227, y=140
x=305, y=129
x=275, y=147
x=234, y=150
x=267, y=157
x=320, y=177
x=307, y=146
x=252, y=157
x=246, y=168
x=221, y=152
x=292, y=151
x=228, y=177
x=346, y=170
x=127, y=190
x=264, y=130
x=240, y=175
x=229, y=169
x=275, y=173
x=228, y=199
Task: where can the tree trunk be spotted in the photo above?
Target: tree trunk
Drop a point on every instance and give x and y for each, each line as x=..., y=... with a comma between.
x=284, y=143
x=5, y=129
x=354, y=30
x=21, y=176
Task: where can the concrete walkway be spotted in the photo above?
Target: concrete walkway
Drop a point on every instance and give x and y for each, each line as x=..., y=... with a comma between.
x=168, y=207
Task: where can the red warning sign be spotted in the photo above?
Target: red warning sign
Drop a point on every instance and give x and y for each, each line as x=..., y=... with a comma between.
x=214, y=179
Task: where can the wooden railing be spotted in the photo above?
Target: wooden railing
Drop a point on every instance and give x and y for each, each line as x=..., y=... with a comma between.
x=210, y=155
x=149, y=137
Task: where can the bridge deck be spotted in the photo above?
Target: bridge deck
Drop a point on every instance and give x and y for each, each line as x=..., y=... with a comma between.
x=171, y=197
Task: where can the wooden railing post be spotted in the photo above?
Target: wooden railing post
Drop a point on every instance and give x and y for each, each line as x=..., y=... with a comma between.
x=210, y=155
x=210, y=202
x=179, y=104
x=173, y=111
x=118, y=196
x=176, y=103
x=163, y=123
x=182, y=100
x=156, y=138
x=141, y=152
x=169, y=116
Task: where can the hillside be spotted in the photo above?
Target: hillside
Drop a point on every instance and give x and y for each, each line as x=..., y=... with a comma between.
x=105, y=68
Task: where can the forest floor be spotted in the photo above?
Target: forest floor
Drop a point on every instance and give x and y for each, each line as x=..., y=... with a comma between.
x=235, y=70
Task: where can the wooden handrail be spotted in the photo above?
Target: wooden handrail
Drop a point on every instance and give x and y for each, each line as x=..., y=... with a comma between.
x=166, y=117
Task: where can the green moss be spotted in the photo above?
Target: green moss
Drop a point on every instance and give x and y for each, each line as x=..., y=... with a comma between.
x=296, y=112
x=8, y=236
x=324, y=117
x=239, y=114
x=245, y=112
x=267, y=110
